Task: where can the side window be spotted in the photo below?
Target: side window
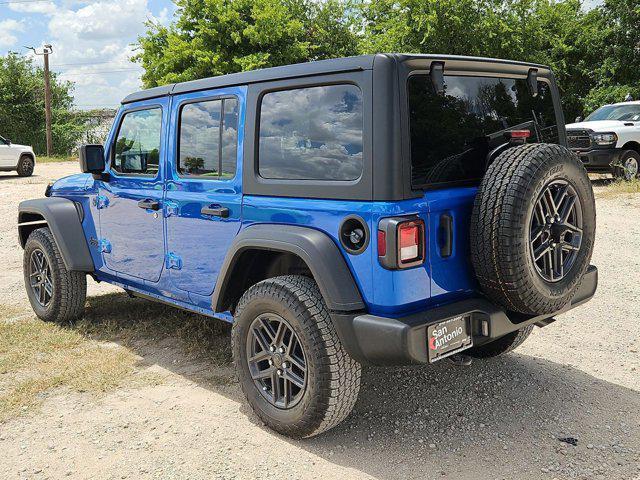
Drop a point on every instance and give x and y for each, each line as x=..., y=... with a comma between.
x=311, y=133
x=137, y=147
x=209, y=139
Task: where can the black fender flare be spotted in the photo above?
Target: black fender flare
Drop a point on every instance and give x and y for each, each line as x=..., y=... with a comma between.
x=315, y=248
x=63, y=219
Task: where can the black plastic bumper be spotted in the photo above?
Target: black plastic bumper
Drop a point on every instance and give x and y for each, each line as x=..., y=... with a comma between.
x=598, y=160
x=400, y=341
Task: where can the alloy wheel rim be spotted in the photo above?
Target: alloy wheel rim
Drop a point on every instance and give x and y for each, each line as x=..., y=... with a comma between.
x=40, y=278
x=555, y=234
x=276, y=361
x=28, y=165
x=630, y=167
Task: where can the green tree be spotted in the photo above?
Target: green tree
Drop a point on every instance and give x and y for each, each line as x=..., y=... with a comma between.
x=595, y=54
x=216, y=37
x=22, y=107
x=194, y=164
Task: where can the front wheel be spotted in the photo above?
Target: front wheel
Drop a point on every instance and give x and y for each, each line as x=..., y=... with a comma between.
x=55, y=294
x=25, y=166
x=629, y=166
x=290, y=363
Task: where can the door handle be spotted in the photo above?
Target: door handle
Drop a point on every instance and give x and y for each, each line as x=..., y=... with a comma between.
x=149, y=204
x=446, y=235
x=215, y=211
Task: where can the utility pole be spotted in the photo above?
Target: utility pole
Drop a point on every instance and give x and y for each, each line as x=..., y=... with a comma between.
x=46, y=51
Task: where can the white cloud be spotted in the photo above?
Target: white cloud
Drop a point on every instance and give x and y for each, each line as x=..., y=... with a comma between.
x=102, y=20
x=8, y=28
x=35, y=7
x=92, y=45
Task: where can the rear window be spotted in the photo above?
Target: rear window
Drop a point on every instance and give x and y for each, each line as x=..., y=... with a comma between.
x=311, y=134
x=452, y=134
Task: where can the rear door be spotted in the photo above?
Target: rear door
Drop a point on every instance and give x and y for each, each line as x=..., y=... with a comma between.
x=130, y=202
x=204, y=187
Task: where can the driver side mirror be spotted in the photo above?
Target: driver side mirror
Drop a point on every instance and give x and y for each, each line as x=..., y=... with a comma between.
x=578, y=119
x=91, y=159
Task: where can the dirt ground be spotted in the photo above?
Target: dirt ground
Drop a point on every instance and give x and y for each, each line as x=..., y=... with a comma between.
x=498, y=419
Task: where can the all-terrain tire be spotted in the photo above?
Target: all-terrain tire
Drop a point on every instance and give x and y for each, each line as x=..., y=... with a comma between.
x=629, y=167
x=25, y=166
x=501, y=221
x=69, y=289
x=333, y=377
x=502, y=345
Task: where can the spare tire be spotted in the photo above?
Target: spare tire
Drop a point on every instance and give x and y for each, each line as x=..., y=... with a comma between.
x=533, y=228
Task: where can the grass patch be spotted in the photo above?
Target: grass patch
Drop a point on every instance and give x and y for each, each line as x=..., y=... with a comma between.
x=37, y=357
x=96, y=354
x=620, y=187
x=45, y=159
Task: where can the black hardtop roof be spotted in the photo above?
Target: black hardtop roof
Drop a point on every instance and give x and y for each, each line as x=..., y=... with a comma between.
x=335, y=65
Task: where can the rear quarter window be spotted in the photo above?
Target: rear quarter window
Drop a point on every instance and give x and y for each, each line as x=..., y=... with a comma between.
x=312, y=133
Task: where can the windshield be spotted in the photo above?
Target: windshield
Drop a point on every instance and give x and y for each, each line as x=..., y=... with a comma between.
x=616, y=112
x=453, y=134
x=4, y=140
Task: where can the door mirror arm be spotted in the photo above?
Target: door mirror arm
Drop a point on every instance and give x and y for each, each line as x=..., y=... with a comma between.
x=102, y=176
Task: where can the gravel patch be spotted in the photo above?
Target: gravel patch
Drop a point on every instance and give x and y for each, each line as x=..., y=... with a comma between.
x=565, y=405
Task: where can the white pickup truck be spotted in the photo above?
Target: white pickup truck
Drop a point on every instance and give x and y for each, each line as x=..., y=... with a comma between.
x=608, y=140
x=16, y=157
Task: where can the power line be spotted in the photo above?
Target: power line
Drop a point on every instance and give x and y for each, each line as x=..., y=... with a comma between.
x=79, y=74
x=83, y=63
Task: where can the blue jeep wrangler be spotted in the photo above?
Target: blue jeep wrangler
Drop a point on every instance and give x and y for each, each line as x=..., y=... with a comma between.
x=385, y=209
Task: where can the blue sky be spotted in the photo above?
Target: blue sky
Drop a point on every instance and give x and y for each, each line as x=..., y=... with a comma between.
x=91, y=40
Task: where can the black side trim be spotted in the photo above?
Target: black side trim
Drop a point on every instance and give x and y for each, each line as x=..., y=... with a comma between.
x=62, y=219
x=399, y=341
x=318, y=251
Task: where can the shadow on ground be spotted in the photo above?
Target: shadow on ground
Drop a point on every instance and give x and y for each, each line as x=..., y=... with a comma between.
x=495, y=419
x=5, y=176
x=602, y=182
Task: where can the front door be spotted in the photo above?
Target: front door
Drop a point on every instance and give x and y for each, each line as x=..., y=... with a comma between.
x=7, y=158
x=130, y=201
x=203, y=200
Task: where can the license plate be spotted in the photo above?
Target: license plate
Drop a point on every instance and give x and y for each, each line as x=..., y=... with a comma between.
x=448, y=337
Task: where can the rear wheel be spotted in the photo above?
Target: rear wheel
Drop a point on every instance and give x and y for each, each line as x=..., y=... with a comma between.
x=55, y=294
x=502, y=345
x=25, y=166
x=628, y=167
x=290, y=363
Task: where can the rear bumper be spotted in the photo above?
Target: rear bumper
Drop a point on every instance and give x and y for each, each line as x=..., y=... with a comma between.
x=400, y=341
x=598, y=160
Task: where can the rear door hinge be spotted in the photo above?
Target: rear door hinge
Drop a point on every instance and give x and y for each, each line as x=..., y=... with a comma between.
x=100, y=202
x=170, y=209
x=104, y=245
x=173, y=261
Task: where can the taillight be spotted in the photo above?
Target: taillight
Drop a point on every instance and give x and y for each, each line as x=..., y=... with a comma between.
x=401, y=242
x=519, y=133
x=518, y=137
x=382, y=243
x=409, y=241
